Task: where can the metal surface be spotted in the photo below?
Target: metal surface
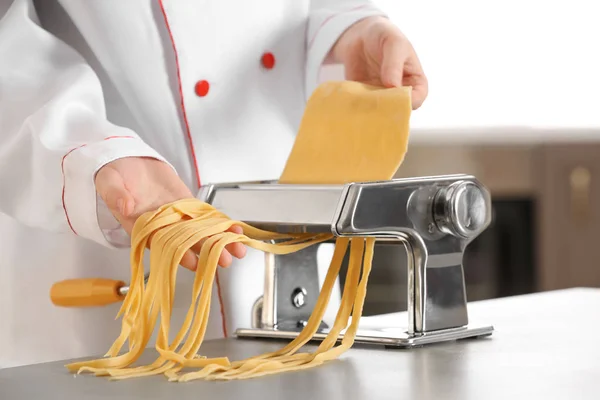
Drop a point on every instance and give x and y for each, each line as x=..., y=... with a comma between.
x=389, y=337
x=277, y=207
x=435, y=217
x=529, y=357
x=369, y=208
x=256, y=318
x=437, y=296
x=290, y=272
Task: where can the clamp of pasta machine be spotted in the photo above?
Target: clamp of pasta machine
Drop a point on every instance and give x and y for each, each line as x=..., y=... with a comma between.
x=434, y=217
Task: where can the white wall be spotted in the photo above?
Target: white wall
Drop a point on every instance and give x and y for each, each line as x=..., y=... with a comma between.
x=505, y=63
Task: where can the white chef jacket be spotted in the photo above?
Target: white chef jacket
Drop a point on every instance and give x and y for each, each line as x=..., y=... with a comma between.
x=216, y=88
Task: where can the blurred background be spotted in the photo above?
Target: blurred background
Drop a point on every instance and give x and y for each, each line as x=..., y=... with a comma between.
x=515, y=100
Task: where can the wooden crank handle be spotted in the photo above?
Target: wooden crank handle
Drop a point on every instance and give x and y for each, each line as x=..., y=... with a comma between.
x=86, y=292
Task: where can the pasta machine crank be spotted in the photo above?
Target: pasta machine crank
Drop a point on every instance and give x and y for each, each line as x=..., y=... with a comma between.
x=434, y=217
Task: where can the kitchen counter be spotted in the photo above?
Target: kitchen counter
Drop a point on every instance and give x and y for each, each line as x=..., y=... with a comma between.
x=545, y=346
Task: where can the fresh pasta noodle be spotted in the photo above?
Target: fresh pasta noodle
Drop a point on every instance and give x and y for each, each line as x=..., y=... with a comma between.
x=174, y=228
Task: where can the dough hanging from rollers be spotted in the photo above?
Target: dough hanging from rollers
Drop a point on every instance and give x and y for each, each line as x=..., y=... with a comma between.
x=350, y=132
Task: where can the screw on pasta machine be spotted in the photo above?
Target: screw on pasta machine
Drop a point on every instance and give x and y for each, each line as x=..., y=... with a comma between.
x=302, y=323
x=299, y=297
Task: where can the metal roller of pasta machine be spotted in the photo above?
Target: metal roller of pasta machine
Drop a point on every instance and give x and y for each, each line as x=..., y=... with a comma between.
x=434, y=218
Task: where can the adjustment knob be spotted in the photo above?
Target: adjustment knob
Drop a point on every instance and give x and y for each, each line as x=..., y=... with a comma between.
x=461, y=209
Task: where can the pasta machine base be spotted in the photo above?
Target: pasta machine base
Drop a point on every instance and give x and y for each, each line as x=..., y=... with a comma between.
x=433, y=217
x=388, y=337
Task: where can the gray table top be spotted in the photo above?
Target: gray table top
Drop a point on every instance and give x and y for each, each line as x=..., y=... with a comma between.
x=545, y=346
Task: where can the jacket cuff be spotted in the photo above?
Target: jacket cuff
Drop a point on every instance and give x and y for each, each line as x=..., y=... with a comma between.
x=80, y=200
x=326, y=29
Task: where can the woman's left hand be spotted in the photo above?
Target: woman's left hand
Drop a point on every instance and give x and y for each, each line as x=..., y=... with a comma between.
x=374, y=51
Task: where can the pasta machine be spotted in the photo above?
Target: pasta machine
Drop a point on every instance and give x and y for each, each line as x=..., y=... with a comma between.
x=434, y=218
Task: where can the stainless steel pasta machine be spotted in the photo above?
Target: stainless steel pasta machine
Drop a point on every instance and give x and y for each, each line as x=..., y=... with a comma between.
x=434, y=217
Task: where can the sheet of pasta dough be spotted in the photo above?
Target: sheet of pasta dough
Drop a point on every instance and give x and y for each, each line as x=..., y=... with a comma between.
x=350, y=132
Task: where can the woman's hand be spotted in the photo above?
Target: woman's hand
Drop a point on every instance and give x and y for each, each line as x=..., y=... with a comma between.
x=134, y=185
x=374, y=51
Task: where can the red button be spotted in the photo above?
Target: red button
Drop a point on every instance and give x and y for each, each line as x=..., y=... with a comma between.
x=202, y=88
x=268, y=60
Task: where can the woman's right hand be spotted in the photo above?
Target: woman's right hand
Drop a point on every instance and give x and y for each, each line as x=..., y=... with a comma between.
x=132, y=186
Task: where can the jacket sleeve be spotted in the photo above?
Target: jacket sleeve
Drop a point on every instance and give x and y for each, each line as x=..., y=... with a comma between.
x=328, y=19
x=54, y=134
